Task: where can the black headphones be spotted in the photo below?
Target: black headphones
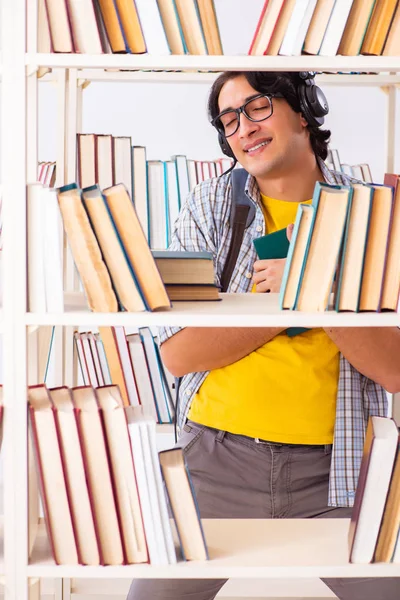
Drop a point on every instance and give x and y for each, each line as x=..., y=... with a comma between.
x=313, y=106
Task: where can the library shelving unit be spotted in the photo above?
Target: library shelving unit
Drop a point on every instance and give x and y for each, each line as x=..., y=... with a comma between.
x=245, y=549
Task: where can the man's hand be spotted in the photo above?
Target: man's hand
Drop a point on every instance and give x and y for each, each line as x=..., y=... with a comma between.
x=268, y=273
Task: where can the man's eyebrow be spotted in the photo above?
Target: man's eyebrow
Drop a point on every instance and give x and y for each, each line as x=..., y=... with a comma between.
x=245, y=100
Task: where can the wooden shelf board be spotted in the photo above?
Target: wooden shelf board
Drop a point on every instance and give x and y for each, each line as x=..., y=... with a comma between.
x=235, y=310
x=242, y=548
x=348, y=64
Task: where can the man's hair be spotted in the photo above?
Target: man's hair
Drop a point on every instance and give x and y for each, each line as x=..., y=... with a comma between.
x=269, y=82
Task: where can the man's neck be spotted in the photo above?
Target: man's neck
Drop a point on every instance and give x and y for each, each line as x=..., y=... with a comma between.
x=295, y=185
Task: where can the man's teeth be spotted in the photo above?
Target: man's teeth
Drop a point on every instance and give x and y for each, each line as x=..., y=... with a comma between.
x=258, y=146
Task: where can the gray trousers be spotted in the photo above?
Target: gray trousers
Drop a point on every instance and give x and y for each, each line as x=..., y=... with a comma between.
x=236, y=477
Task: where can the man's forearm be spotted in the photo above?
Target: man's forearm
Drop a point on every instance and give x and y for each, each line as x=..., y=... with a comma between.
x=196, y=349
x=374, y=351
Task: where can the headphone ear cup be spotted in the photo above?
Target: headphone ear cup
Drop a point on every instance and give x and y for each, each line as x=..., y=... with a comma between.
x=225, y=147
x=313, y=104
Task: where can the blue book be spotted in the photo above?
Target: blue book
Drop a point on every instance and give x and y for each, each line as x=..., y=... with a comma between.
x=276, y=245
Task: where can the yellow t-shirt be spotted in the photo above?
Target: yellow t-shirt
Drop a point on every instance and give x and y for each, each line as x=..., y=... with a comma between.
x=285, y=391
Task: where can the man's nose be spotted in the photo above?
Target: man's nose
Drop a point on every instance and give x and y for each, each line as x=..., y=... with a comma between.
x=246, y=127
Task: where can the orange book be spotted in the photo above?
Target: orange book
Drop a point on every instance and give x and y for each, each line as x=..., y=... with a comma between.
x=112, y=25
x=356, y=27
x=392, y=44
x=280, y=28
x=109, y=340
x=378, y=27
x=210, y=26
x=130, y=23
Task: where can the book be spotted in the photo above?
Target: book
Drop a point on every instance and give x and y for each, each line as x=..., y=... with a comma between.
x=378, y=27
x=172, y=26
x=75, y=477
x=52, y=485
x=85, y=251
x=356, y=26
x=335, y=28
x=265, y=27
x=295, y=262
x=139, y=187
x=122, y=166
x=209, y=23
x=157, y=204
x=84, y=27
x=280, y=28
x=142, y=375
x=276, y=245
x=392, y=44
x=122, y=275
x=103, y=160
x=353, y=255
x=172, y=196
x=376, y=249
x=123, y=473
x=131, y=26
x=318, y=24
x=136, y=247
x=57, y=14
x=379, y=453
x=152, y=519
x=178, y=266
x=331, y=205
x=113, y=28
x=191, y=292
x=97, y=468
x=297, y=28
x=114, y=363
x=192, y=29
x=390, y=527
x=391, y=279
x=86, y=151
x=183, y=504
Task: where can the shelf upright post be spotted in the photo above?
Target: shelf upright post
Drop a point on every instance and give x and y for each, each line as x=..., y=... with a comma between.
x=391, y=129
x=14, y=172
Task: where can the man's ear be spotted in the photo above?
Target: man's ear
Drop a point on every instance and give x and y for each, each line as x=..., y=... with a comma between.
x=303, y=120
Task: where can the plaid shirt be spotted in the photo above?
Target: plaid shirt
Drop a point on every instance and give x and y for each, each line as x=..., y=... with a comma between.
x=203, y=224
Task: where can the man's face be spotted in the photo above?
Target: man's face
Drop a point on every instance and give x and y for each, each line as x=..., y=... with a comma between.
x=283, y=136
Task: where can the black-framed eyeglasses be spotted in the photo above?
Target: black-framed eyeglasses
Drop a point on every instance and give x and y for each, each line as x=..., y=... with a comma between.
x=258, y=108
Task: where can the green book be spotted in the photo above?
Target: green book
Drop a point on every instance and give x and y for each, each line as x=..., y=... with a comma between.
x=276, y=245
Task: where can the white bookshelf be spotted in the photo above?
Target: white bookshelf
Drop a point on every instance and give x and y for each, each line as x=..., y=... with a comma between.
x=239, y=549
x=233, y=310
x=242, y=549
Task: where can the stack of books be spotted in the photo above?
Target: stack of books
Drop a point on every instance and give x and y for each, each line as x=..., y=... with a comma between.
x=187, y=275
x=362, y=172
x=131, y=361
x=345, y=250
x=158, y=188
x=200, y=27
x=101, y=481
x=375, y=521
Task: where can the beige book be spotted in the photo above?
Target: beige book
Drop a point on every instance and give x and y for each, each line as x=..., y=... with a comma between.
x=171, y=26
x=390, y=525
x=266, y=28
x=59, y=26
x=51, y=477
x=392, y=44
x=191, y=26
x=112, y=250
x=98, y=475
x=318, y=24
x=43, y=35
x=356, y=26
x=74, y=468
x=114, y=362
x=322, y=258
x=391, y=280
x=126, y=492
x=136, y=246
x=86, y=252
x=122, y=168
x=84, y=27
x=131, y=26
x=183, y=504
x=280, y=28
x=296, y=265
x=104, y=160
x=210, y=26
x=351, y=272
x=86, y=150
x=33, y=497
x=375, y=256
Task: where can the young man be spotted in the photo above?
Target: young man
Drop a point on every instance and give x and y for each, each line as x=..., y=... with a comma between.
x=258, y=409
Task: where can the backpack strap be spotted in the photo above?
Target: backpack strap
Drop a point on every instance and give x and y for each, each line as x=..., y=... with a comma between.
x=242, y=215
